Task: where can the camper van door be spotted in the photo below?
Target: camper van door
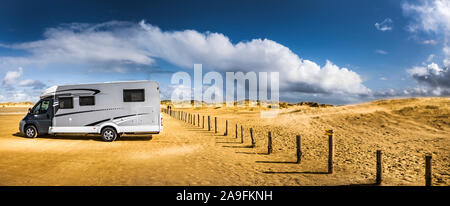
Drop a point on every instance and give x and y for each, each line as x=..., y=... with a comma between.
x=43, y=114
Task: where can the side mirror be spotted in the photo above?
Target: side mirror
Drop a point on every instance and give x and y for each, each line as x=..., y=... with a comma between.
x=29, y=110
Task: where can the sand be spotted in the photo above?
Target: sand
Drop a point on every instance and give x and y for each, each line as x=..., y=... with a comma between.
x=185, y=154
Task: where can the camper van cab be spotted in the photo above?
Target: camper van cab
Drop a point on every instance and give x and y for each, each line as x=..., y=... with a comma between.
x=109, y=109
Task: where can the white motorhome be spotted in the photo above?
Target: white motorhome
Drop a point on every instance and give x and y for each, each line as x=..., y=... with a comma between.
x=109, y=109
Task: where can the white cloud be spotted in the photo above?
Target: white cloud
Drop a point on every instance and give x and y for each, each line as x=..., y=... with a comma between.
x=20, y=96
x=430, y=42
x=32, y=83
x=431, y=17
x=430, y=57
x=432, y=81
x=417, y=91
x=446, y=61
x=433, y=77
x=385, y=25
x=11, y=77
x=13, y=89
x=120, y=44
x=383, y=78
x=379, y=51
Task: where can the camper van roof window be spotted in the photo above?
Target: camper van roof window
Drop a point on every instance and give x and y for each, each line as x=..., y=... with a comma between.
x=133, y=95
x=87, y=100
x=65, y=102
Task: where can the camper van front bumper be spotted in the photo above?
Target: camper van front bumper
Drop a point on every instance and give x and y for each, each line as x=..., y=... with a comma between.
x=21, y=125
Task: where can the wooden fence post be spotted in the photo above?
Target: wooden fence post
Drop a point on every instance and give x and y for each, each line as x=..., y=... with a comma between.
x=203, y=124
x=209, y=123
x=194, y=120
x=242, y=134
x=198, y=118
x=330, y=151
x=379, y=167
x=226, y=128
x=299, y=150
x=215, y=125
x=236, y=131
x=253, y=138
x=269, y=143
x=428, y=180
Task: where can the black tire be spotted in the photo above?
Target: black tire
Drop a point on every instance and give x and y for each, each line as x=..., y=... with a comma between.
x=109, y=134
x=31, y=131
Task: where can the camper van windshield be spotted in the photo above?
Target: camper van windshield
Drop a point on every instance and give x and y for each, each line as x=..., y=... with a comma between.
x=37, y=108
x=44, y=106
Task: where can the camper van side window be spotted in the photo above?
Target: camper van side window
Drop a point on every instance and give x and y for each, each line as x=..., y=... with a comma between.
x=65, y=102
x=87, y=101
x=133, y=95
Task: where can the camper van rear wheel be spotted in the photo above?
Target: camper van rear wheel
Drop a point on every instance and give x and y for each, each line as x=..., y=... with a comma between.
x=109, y=134
x=31, y=131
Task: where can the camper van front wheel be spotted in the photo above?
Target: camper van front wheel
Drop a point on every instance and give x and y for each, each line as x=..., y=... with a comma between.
x=31, y=131
x=109, y=134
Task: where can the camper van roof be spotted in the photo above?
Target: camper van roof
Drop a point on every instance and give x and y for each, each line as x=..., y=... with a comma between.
x=107, y=82
x=51, y=91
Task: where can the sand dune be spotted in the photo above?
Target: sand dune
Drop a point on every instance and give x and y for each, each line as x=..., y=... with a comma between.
x=15, y=107
x=405, y=129
x=184, y=154
x=16, y=104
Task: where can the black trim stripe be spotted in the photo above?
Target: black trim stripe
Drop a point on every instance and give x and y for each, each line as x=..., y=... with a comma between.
x=124, y=116
x=105, y=120
x=96, y=91
x=129, y=115
x=98, y=122
x=96, y=110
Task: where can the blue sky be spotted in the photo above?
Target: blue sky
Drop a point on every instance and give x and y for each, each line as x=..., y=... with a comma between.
x=391, y=48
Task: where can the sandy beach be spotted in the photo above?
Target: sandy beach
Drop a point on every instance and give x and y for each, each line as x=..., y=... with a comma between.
x=185, y=154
